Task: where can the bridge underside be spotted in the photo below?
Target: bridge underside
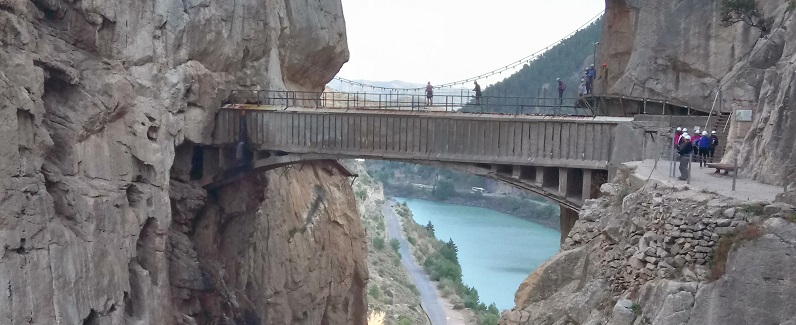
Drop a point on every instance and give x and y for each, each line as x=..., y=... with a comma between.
x=569, y=187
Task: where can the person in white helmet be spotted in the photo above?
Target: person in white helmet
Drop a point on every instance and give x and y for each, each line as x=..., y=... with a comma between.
x=682, y=137
x=704, y=147
x=685, y=151
x=677, y=134
x=714, y=142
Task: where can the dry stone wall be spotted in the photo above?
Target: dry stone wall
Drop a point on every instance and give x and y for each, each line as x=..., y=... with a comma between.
x=665, y=256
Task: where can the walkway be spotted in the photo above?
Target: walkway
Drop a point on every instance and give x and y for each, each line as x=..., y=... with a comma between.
x=705, y=179
x=428, y=295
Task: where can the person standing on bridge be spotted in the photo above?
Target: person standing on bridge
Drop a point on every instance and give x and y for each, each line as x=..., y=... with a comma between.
x=685, y=151
x=561, y=88
x=582, y=88
x=590, y=82
x=477, y=90
x=429, y=94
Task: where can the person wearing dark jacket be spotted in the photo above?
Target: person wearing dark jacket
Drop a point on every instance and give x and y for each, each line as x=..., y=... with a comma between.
x=714, y=143
x=704, y=147
x=685, y=150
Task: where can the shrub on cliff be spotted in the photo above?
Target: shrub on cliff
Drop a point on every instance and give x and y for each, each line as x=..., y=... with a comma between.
x=734, y=11
x=378, y=243
x=395, y=244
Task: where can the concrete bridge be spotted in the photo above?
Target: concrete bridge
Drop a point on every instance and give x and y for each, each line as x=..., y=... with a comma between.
x=564, y=159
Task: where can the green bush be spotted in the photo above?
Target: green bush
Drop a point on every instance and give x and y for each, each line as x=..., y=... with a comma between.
x=395, y=244
x=378, y=243
x=404, y=321
x=361, y=194
x=411, y=240
x=791, y=5
x=443, y=190
x=746, y=11
x=374, y=292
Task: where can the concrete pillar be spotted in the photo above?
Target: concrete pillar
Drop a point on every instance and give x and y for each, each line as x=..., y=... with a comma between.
x=586, y=194
x=562, y=182
x=516, y=171
x=539, y=176
x=567, y=221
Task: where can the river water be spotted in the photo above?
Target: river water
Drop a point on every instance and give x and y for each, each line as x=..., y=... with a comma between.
x=497, y=251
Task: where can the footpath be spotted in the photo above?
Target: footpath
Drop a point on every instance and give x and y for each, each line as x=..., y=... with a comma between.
x=429, y=299
x=704, y=179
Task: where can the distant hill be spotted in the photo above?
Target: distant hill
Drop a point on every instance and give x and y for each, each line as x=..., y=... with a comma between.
x=538, y=79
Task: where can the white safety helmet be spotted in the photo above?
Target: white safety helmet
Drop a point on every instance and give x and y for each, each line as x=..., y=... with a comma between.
x=686, y=136
x=685, y=130
x=679, y=129
x=704, y=132
x=712, y=132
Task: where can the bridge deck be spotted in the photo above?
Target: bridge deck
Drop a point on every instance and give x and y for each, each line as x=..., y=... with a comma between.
x=555, y=141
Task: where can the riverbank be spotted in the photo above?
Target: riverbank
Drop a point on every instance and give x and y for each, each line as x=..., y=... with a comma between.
x=543, y=213
x=440, y=260
x=439, y=310
x=390, y=288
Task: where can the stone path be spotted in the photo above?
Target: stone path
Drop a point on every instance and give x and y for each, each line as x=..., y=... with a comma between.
x=705, y=179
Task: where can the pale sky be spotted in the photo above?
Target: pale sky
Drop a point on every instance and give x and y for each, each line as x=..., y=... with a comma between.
x=448, y=40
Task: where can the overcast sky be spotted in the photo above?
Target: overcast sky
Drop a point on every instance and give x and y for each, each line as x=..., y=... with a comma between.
x=448, y=40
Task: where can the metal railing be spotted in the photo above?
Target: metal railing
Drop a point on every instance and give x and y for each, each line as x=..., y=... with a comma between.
x=448, y=102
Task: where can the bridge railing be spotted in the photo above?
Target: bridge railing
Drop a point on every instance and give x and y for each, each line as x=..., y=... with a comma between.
x=449, y=102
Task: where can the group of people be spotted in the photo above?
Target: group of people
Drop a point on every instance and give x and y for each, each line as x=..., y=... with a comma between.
x=430, y=93
x=586, y=86
x=700, y=147
x=586, y=83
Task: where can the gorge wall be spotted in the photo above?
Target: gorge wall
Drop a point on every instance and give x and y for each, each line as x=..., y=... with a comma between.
x=655, y=254
x=104, y=105
x=679, y=51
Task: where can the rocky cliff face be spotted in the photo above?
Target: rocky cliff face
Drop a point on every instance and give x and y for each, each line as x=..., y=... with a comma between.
x=103, y=103
x=666, y=256
x=679, y=51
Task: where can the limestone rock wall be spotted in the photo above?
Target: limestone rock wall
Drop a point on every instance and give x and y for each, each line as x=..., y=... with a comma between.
x=679, y=51
x=95, y=228
x=655, y=256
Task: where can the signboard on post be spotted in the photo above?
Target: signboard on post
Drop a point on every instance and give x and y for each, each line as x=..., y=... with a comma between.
x=743, y=115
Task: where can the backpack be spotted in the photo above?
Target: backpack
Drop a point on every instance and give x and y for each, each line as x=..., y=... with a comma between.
x=562, y=86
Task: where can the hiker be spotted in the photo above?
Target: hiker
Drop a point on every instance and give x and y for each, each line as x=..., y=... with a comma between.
x=590, y=81
x=685, y=151
x=677, y=134
x=682, y=137
x=714, y=143
x=582, y=88
x=704, y=147
x=561, y=88
x=588, y=84
x=429, y=94
x=477, y=93
x=695, y=142
x=604, y=72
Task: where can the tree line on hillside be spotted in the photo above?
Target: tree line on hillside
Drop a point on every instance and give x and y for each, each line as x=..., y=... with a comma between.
x=538, y=78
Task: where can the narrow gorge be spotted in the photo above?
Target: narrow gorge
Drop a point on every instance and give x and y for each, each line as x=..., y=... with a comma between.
x=109, y=113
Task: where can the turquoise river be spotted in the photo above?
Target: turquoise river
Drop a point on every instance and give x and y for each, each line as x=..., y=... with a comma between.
x=497, y=251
